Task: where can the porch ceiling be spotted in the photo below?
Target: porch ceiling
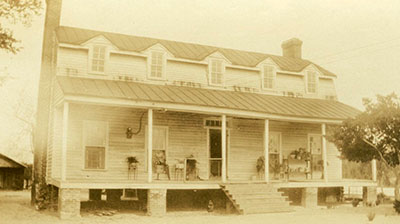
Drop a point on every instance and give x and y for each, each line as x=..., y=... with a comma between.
x=214, y=99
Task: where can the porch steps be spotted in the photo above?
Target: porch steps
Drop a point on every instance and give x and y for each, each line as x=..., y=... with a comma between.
x=251, y=198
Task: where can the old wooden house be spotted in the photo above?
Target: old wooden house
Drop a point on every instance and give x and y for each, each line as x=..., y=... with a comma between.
x=154, y=120
x=11, y=174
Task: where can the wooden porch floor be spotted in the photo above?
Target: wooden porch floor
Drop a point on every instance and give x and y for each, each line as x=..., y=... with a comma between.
x=205, y=184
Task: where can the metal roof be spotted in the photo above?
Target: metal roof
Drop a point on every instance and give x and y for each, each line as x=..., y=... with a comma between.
x=7, y=162
x=276, y=105
x=77, y=36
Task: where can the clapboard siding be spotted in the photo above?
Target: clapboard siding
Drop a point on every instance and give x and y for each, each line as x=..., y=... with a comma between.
x=334, y=162
x=187, y=137
x=76, y=59
x=290, y=83
x=127, y=65
x=179, y=71
x=246, y=145
x=57, y=138
x=242, y=78
x=75, y=62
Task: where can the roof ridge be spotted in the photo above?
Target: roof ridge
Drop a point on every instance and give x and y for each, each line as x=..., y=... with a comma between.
x=198, y=51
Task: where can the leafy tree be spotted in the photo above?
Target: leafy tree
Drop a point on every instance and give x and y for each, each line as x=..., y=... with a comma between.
x=373, y=134
x=14, y=11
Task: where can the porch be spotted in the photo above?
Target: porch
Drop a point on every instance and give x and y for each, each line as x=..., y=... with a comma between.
x=188, y=138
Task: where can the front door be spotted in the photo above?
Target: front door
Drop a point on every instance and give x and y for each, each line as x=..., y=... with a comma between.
x=215, y=152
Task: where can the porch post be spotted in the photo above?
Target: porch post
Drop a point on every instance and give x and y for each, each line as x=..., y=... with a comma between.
x=373, y=166
x=324, y=152
x=149, y=144
x=223, y=147
x=266, y=150
x=64, y=142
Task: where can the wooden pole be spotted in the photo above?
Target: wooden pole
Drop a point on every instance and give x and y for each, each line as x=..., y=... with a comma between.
x=64, y=142
x=373, y=166
x=324, y=152
x=223, y=147
x=266, y=150
x=149, y=145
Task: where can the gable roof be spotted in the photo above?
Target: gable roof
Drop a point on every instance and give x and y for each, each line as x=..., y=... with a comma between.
x=6, y=161
x=76, y=36
x=178, y=95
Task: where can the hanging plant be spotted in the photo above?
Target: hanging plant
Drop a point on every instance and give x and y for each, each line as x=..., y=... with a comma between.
x=132, y=162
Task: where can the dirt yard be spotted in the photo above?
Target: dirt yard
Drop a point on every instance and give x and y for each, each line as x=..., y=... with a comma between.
x=15, y=208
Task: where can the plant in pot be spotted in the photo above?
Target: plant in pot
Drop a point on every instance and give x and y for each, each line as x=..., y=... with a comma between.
x=159, y=162
x=132, y=162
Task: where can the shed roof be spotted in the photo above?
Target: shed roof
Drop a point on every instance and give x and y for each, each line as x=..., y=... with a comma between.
x=276, y=105
x=7, y=162
x=198, y=52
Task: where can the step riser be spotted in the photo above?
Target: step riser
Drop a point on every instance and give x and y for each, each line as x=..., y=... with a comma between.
x=257, y=198
x=243, y=201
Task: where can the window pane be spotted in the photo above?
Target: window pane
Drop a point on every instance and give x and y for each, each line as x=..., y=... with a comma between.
x=311, y=82
x=274, y=143
x=269, y=77
x=95, y=133
x=95, y=158
x=159, y=138
x=156, y=67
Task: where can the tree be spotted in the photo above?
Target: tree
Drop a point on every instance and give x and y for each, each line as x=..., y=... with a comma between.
x=373, y=134
x=15, y=11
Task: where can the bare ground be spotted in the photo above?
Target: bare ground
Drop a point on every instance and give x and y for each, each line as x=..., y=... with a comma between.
x=15, y=208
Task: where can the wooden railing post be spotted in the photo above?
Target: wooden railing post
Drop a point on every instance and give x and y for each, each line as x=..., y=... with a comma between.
x=266, y=149
x=223, y=145
x=149, y=145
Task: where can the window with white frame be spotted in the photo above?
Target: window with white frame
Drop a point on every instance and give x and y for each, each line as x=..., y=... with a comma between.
x=95, y=142
x=269, y=77
x=157, y=65
x=216, y=72
x=160, y=145
x=311, y=82
x=98, y=58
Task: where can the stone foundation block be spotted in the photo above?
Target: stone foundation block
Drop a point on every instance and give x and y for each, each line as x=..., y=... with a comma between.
x=309, y=197
x=156, y=202
x=69, y=203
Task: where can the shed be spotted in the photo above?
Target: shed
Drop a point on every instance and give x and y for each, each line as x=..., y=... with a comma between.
x=11, y=173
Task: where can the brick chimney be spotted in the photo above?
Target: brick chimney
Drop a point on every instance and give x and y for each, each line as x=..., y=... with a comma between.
x=292, y=48
x=52, y=21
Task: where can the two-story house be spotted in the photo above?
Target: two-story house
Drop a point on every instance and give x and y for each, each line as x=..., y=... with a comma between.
x=195, y=117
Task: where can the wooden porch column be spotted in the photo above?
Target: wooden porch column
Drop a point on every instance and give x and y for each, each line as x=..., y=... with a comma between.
x=373, y=166
x=64, y=142
x=266, y=150
x=223, y=147
x=324, y=152
x=150, y=145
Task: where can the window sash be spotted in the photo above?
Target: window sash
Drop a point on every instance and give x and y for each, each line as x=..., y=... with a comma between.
x=216, y=72
x=95, y=157
x=95, y=143
x=98, y=58
x=156, y=64
x=311, y=82
x=269, y=77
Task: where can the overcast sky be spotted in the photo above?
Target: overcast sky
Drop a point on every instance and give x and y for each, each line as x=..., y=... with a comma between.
x=357, y=40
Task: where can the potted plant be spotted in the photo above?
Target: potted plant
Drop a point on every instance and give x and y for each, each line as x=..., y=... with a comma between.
x=132, y=162
x=159, y=162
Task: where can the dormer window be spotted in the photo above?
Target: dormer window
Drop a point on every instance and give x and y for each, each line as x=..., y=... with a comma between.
x=98, y=59
x=157, y=65
x=268, y=77
x=216, y=72
x=311, y=82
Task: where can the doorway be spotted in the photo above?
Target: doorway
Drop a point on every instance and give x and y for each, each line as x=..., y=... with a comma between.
x=215, y=153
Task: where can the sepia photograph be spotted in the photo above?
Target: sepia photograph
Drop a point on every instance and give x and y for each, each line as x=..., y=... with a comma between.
x=199, y=111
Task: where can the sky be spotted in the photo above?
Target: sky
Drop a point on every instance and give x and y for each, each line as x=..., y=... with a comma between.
x=357, y=40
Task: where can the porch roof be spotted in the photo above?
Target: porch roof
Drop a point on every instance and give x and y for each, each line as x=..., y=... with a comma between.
x=178, y=95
